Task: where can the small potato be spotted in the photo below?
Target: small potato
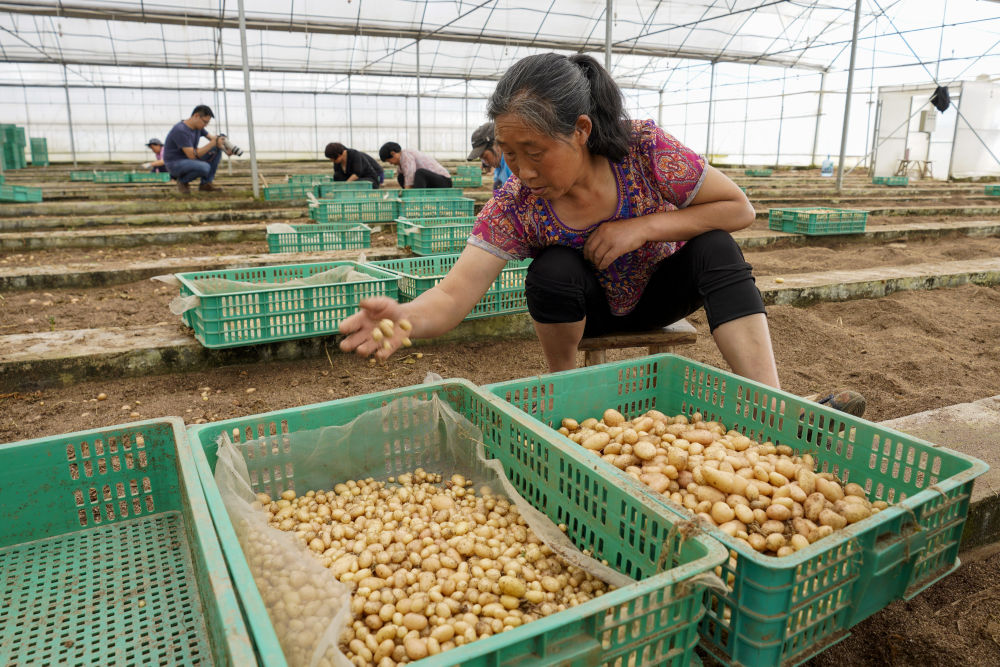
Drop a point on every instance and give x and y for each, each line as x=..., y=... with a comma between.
x=644, y=450
x=772, y=526
x=701, y=436
x=757, y=541
x=710, y=494
x=807, y=481
x=658, y=482
x=832, y=519
x=880, y=504
x=785, y=551
x=853, y=489
x=596, y=442
x=388, y=327
x=832, y=491
x=613, y=417
x=775, y=541
x=722, y=513
x=570, y=424
x=778, y=512
x=855, y=512
x=733, y=528
x=786, y=467
x=799, y=541
x=744, y=513
x=814, y=505
x=776, y=479
x=796, y=492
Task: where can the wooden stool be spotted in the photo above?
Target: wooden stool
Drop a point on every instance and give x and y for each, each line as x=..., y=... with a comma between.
x=655, y=341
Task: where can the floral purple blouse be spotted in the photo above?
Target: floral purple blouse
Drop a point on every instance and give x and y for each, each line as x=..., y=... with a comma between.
x=658, y=174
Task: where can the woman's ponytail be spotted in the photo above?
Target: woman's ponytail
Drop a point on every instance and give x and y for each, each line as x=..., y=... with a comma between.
x=611, y=133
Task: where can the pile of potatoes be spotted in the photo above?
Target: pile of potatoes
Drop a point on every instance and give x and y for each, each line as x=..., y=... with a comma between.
x=761, y=493
x=434, y=565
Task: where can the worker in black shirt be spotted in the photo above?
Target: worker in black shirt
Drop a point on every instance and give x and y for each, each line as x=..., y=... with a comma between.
x=352, y=165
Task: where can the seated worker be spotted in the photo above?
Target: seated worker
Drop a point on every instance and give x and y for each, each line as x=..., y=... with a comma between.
x=416, y=170
x=352, y=165
x=484, y=148
x=156, y=165
x=185, y=160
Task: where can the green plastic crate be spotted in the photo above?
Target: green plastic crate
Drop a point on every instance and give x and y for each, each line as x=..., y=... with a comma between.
x=112, y=177
x=468, y=176
x=389, y=172
x=419, y=274
x=287, y=191
x=39, y=152
x=437, y=193
x=993, y=190
x=652, y=622
x=150, y=177
x=20, y=193
x=435, y=207
x=82, y=175
x=758, y=172
x=109, y=553
x=329, y=190
x=320, y=237
x=310, y=179
x=782, y=611
x=350, y=209
x=434, y=239
x=275, y=313
x=891, y=180
x=817, y=221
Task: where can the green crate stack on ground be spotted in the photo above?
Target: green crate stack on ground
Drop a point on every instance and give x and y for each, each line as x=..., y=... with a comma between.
x=321, y=237
x=434, y=236
x=439, y=193
x=14, y=143
x=891, y=180
x=419, y=274
x=435, y=207
x=389, y=172
x=109, y=553
x=39, y=152
x=263, y=309
x=758, y=172
x=287, y=191
x=310, y=179
x=993, y=190
x=112, y=177
x=652, y=622
x=20, y=193
x=149, y=177
x=328, y=190
x=817, y=221
x=468, y=176
x=82, y=175
x=381, y=208
x=782, y=611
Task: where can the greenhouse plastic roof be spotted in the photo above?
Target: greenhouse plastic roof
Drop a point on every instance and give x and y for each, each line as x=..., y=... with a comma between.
x=316, y=43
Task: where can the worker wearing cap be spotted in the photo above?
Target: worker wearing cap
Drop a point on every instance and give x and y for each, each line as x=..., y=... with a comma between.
x=484, y=148
x=157, y=165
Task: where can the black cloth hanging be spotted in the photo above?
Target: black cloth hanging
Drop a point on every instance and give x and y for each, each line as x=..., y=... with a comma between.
x=941, y=99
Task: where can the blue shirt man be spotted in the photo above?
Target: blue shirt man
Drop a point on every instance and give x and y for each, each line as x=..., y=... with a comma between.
x=185, y=160
x=484, y=148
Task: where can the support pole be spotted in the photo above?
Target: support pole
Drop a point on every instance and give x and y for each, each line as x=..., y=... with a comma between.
x=781, y=119
x=107, y=121
x=350, y=112
x=608, y=12
x=315, y=122
x=659, y=110
x=746, y=114
x=69, y=116
x=246, y=92
x=711, y=102
x=419, y=143
x=850, y=92
x=465, y=106
x=225, y=100
x=819, y=116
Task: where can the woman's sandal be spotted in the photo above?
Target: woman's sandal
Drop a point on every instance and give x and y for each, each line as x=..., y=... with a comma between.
x=845, y=400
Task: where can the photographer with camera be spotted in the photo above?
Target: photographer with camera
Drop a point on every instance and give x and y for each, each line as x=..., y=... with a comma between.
x=186, y=161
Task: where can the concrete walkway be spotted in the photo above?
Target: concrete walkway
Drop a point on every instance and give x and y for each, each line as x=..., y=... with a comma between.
x=131, y=238
x=149, y=219
x=972, y=429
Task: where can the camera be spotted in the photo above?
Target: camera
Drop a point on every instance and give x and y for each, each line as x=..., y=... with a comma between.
x=230, y=147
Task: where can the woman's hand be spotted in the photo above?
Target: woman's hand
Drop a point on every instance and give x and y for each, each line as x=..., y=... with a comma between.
x=359, y=329
x=613, y=239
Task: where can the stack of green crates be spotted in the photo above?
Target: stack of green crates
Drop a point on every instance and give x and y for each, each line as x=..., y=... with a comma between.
x=419, y=274
x=110, y=555
x=149, y=177
x=651, y=622
x=891, y=180
x=434, y=236
x=20, y=193
x=275, y=312
x=758, y=172
x=329, y=190
x=389, y=172
x=783, y=611
x=993, y=190
x=439, y=193
x=435, y=207
x=817, y=221
x=321, y=237
x=310, y=179
x=288, y=191
x=468, y=176
x=356, y=209
x=39, y=152
x=13, y=143
x=112, y=177
x=82, y=175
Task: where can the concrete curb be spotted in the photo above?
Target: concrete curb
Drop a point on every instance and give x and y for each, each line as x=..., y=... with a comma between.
x=132, y=238
x=58, y=358
x=968, y=428
x=908, y=211
x=190, y=218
